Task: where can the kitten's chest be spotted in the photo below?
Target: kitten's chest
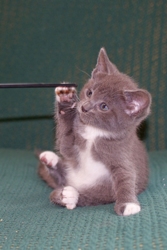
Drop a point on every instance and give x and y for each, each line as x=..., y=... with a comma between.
x=89, y=171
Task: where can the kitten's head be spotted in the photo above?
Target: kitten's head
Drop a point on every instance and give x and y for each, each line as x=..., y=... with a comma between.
x=111, y=100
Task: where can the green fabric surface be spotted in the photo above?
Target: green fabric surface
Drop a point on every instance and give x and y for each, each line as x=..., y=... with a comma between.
x=54, y=41
x=29, y=221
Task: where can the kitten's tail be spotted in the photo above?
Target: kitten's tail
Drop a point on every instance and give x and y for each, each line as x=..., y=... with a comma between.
x=37, y=152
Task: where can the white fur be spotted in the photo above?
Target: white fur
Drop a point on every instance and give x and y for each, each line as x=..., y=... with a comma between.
x=131, y=208
x=136, y=107
x=70, y=197
x=57, y=96
x=89, y=171
x=49, y=158
x=91, y=133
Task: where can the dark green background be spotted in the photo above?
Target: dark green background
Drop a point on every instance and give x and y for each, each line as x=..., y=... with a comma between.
x=55, y=41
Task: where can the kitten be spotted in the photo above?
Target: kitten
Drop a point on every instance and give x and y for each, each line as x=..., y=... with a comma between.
x=101, y=158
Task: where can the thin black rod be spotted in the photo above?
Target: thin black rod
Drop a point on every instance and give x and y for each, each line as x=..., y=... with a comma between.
x=36, y=85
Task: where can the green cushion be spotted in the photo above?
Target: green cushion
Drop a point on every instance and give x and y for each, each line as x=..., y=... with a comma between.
x=29, y=221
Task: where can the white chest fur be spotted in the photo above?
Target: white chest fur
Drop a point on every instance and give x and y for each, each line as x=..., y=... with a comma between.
x=89, y=171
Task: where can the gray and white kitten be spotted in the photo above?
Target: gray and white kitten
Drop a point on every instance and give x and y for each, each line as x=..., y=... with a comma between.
x=101, y=160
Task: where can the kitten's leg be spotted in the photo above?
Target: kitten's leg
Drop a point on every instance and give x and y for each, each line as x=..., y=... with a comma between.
x=67, y=196
x=51, y=169
x=43, y=172
x=126, y=201
x=66, y=112
x=49, y=158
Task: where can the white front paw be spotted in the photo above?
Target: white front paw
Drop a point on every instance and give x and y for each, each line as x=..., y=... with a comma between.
x=70, y=197
x=131, y=208
x=49, y=158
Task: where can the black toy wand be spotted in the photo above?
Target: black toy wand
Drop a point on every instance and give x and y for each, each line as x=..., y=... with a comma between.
x=36, y=85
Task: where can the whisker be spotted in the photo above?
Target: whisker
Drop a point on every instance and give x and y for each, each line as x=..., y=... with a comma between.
x=83, y=71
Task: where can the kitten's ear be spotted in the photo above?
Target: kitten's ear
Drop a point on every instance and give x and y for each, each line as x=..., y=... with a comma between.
x=137, y=103
x=103, y=66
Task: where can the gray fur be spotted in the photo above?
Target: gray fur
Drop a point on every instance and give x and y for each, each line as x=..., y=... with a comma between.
x=117, y=147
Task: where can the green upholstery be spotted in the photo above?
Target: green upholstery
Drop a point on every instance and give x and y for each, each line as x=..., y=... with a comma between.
x=55, y=41
x=29, y=221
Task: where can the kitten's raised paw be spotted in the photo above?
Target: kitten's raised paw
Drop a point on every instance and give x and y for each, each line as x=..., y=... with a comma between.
x=127, y=209
x=49, y=158
x=70, y=197
x=65, y=94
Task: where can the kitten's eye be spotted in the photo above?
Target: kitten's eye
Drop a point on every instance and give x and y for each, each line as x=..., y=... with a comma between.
x=89, y=92
x=103, y=107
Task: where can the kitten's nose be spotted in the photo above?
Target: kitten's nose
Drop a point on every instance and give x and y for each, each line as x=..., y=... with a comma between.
x=83, y=109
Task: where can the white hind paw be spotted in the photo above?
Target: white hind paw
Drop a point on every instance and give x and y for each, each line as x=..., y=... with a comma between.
x=131, y=208
x=70, y=197
x=49, y=158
